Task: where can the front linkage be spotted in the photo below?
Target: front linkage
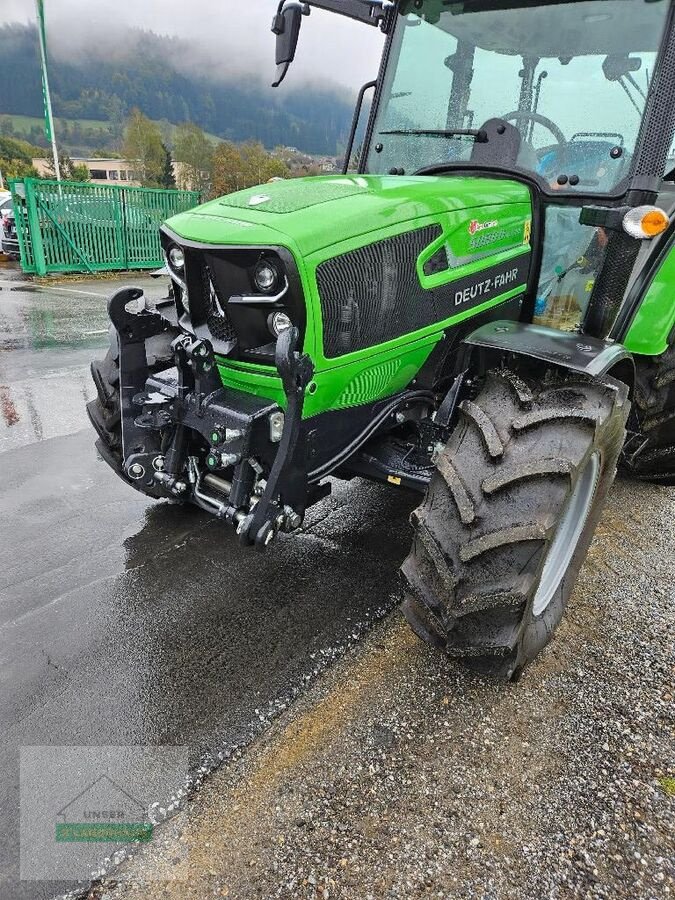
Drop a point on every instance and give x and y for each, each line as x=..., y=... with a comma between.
x=182, y=431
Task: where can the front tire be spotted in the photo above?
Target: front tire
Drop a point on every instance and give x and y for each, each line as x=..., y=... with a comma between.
x=509, y=515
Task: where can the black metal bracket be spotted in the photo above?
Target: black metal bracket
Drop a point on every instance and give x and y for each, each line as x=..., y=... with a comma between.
x=610, y=217
x=444, y=415
x=138, y=325
x=370, y=12
x=197, y=369
x=140, y=444
x=296, y=371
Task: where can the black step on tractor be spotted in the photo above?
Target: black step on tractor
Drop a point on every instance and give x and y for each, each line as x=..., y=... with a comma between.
x=481, y=310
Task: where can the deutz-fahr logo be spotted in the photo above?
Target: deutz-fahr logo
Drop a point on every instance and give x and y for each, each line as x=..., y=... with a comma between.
x=501, y=281
x=476, y=226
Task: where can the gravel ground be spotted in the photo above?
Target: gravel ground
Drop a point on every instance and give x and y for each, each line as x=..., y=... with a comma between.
x=399, y=774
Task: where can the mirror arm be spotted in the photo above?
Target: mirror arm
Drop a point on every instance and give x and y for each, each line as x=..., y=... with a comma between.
x=278, y=20
x=371, y=12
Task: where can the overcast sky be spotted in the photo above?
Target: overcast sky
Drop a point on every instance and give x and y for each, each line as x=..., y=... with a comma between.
x=232, y=34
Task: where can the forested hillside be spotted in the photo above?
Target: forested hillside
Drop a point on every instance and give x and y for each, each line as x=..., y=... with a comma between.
x=93, y=86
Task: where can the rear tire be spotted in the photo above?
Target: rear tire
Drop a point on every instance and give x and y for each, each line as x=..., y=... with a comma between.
x=655, y=406
x=509, y=515
x=104, y=412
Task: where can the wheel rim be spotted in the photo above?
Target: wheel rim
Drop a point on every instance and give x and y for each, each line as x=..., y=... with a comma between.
x=567, y=535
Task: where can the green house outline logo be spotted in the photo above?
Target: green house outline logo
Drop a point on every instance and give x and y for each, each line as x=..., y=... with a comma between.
x=103, y=813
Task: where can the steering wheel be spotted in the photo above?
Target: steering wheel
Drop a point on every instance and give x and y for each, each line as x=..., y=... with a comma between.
x=523, y=116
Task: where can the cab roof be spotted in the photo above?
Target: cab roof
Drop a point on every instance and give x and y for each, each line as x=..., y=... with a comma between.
x=546, y=28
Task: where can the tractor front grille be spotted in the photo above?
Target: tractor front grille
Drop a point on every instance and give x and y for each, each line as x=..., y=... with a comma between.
x=373, y=294
x=223, y=303
x=213, y=306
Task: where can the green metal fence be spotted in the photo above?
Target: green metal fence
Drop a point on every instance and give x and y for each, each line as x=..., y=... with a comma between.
x=73, y=227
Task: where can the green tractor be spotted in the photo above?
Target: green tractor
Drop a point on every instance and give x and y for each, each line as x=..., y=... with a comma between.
x=482, y=312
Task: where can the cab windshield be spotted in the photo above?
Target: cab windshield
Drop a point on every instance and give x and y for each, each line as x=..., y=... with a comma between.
x=571, y=77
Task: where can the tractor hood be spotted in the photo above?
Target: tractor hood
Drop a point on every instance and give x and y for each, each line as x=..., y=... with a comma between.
x=308, y=214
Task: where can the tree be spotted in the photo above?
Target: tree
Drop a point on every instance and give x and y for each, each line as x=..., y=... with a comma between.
x=70, y=171
x=11, y=148
x=79, y=172
x=227, y=169
x=259, y=165
x=194, y=153
x=167, y=179
x=37, y=136
x=114, y=109
x=16, y=158
x=144, y=149
x=236, y=167
x=16, y=168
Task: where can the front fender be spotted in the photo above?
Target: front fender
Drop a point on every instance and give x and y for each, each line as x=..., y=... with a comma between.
x=578, y=352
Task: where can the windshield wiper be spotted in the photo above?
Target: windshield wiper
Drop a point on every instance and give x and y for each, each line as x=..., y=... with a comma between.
x=479, y=135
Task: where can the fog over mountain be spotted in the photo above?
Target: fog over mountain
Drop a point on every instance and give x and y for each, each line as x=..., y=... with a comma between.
x=139, y=69
x=225, y=36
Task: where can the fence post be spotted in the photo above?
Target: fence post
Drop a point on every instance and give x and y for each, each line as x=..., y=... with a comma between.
x=18, y=189
x=34, y=228
x=121, y=222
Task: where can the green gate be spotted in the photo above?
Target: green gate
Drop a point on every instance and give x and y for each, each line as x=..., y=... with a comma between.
x=74, y=227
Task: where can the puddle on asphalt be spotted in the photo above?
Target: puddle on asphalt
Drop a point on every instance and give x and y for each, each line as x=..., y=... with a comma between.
x=48, y=338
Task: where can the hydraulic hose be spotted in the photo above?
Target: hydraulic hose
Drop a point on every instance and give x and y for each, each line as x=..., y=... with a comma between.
x=367, y=432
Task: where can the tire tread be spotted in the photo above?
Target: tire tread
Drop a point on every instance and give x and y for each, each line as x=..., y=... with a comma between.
x=501, y=482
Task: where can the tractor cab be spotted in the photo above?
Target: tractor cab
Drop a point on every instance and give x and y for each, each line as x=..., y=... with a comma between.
x=557, y=91
x=563, y=94
x=568, y=83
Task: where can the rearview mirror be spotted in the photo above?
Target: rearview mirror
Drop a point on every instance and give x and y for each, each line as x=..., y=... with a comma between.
x=286, y=26
x=617, y=67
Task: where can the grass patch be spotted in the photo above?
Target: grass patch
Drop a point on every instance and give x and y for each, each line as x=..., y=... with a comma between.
x=22, y=125
x=667, y=782
x=25, y=123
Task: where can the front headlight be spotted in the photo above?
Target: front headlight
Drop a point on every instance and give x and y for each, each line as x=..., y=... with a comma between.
x=177, y=258
x=175, y=261
x=278, y=322
x=265, y=277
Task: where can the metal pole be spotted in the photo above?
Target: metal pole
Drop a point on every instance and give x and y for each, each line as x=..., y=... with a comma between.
x=45, y=84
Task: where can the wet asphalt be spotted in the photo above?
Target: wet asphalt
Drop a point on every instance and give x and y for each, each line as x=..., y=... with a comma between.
x=125, y=622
